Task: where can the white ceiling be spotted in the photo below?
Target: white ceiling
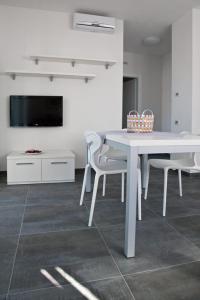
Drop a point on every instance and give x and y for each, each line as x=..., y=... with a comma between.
x=142, y=18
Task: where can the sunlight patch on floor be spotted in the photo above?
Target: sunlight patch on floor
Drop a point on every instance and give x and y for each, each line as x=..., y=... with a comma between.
x=51, y=278
x=83, y=290
x=78, y=286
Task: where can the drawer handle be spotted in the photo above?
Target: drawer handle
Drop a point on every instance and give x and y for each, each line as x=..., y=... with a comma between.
x=59, y=162
x=28, y=163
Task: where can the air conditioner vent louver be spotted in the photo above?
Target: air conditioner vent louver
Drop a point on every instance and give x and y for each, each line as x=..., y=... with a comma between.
x=93, y=23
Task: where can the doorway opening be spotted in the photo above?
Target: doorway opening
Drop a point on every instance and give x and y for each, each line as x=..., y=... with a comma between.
x=130, y=97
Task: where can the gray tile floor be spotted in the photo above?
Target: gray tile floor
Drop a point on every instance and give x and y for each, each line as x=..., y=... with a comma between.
x=48, y=252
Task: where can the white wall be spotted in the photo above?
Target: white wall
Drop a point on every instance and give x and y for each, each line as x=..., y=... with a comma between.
x=148, y=68
x=96, y=105
x=182, y=74
x=196, y=71
x=166, y=92
x=186, y=72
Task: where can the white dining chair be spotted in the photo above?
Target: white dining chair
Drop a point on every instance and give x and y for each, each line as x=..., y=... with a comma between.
x=104, y=167
x=109, y=153
x=190, y=163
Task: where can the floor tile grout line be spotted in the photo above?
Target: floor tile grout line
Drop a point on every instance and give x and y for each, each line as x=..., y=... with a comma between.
x=12, y=205
x=62, y=285
x=161, y=268
x=128, y=274
x=179, y=217
x=115, y=263
x=157, y=269
x=154, y=212
x=36, y=204
x=99, y=230
x=168, y=218
x=182, y=235
x=57, y=231
x=15, y=254
x=167, y=221
x=102, y=238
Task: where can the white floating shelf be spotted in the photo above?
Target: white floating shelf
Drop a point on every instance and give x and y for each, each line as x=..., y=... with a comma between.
x=50, y=75
x=73, y=60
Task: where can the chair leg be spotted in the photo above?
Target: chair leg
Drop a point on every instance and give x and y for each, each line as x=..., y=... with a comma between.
x=139, y=189
x=104, y=185
x=180, y=183
x=147, y=181
x=84, y=183
x=94, y=194
x=122, y=191
x=165, y=191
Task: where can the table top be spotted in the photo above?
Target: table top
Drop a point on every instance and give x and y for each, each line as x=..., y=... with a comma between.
x=155, y=138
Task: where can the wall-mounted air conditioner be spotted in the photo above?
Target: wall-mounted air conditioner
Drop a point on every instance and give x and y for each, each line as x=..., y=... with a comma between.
x=93, y=23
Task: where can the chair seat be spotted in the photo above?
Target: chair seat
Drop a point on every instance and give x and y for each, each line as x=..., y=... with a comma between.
x=172, y=164
x=115, y=155
x=111, y=166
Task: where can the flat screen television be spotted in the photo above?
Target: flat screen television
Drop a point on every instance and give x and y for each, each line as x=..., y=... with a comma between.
x=36, y=111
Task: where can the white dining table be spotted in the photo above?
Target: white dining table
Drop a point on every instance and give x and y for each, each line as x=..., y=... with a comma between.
x=143, y=143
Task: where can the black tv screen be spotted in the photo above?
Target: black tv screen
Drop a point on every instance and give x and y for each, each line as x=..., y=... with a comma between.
x=36, y=111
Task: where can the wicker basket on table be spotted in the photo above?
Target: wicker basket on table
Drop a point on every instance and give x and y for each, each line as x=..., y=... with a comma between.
x=140, y=122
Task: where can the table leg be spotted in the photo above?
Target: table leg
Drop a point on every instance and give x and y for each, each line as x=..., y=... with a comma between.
x=88, y=181
x=144, y=169
x=131, y=202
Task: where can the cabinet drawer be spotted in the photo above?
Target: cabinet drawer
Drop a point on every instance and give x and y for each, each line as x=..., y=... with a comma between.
x=24, y=170
x=61, y=169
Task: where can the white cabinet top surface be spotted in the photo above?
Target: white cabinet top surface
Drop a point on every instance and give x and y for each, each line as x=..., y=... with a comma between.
x=44, y=154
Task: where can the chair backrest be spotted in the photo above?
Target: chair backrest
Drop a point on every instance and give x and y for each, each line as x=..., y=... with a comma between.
x=94, y=144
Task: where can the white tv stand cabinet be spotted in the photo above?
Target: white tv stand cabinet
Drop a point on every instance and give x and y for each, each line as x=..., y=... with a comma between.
x=49, y=166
